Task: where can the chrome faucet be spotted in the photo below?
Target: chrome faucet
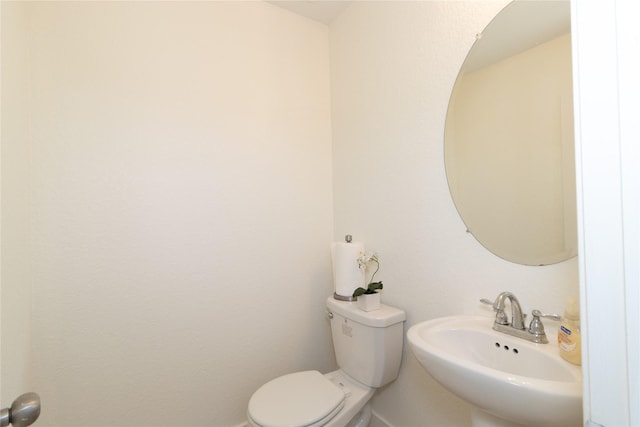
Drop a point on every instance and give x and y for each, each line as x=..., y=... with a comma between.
x=517, y=319
x=515, y=327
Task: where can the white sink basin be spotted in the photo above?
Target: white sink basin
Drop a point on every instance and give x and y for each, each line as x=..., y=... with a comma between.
x=502, y=376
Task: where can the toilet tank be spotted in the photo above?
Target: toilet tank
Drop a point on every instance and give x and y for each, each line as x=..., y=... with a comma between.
x=367, y=344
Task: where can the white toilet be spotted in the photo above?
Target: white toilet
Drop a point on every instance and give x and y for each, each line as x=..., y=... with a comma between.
x=368, y=347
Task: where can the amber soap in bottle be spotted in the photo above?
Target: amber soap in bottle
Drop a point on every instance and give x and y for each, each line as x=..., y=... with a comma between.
x=569, y=339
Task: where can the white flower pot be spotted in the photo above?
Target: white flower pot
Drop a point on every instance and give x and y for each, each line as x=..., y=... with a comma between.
x=369, y=302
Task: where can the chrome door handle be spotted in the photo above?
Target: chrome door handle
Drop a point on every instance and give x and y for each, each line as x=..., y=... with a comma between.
x=23, y=412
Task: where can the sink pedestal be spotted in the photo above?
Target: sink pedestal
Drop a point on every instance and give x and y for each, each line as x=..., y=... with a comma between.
x=480, y=418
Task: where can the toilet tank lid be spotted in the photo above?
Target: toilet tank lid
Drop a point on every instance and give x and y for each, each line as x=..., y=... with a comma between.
x=381, y=318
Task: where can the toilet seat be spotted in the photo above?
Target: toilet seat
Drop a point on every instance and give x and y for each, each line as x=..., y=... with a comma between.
x=302, y=399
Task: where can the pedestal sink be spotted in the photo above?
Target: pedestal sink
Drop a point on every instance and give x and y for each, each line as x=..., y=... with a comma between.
x=508, y=381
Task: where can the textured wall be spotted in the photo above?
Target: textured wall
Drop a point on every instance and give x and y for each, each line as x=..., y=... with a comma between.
x=15, y=252
x=181, y=161
x=393, y=65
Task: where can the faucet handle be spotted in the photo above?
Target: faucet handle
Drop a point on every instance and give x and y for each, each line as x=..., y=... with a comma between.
x=501, y=317
x=538, y=313
x=536, y=326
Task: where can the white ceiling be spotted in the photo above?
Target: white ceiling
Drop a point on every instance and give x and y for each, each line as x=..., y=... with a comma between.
x=520, y=26
x=323, y=11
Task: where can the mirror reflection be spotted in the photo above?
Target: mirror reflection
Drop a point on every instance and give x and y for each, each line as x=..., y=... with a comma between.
x=509, y=144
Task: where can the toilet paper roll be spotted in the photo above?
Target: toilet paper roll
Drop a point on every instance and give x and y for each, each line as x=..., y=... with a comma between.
x=347, y=274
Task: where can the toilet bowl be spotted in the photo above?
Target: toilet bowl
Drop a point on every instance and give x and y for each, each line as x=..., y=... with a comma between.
x=309, y=399
x=368, y=347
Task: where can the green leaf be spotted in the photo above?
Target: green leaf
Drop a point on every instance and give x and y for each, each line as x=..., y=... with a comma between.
x=373, y=287
x=359, y=292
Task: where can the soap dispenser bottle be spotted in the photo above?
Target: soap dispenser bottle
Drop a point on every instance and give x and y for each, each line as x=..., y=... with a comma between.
x=569, y=339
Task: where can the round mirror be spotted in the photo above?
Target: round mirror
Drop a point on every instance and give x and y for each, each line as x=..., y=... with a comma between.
x=509, y=146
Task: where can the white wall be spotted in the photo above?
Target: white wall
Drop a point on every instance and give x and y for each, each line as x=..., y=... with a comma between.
x=15, y=260
x=182, y=212
x=393, y=65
